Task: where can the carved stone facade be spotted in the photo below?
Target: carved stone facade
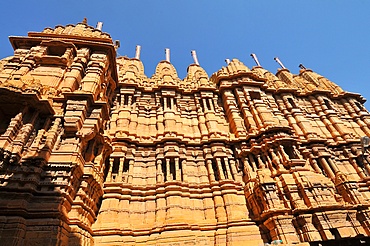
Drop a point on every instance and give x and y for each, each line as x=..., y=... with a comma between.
x=93, y=152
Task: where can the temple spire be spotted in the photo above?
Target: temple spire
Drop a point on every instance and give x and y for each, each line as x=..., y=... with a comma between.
x=167, y=53
x=137, y=52
x=255, y=59
x=279, y=62
x=195, y=58
x=99, y=25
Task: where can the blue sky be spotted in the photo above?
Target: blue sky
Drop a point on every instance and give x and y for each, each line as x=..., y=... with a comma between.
x=330, y=37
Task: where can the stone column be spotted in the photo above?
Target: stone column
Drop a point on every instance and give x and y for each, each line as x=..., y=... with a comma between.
x=234, y=171
x=120, y=170
x=159, y=172
x=210, y=171
x=247, y=169
x=177, y=170
x=333, y=165
x=109, y=176
x=220, y=169
x=184, y=176
x=327, y=167
x=130, y=171
x=229, y=176
x=168, y=173
x=74, y=76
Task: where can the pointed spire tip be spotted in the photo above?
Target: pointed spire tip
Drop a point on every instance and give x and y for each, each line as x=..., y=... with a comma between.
x=255, y=59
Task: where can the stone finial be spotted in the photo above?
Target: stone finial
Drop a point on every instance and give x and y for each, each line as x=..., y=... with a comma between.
x=137, y=52
x=195, y=58
x=84, y=21
x=255, y=59
x=279, y=62
x=167, y=53
x=99, y=25
x=227, y=60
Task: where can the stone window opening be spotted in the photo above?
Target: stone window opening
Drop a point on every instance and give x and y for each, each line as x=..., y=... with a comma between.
x=172, y=169
x=125, y=100
x=126, y=165
x=221, y=168
x=125, y=170
x=289, y=150
x=164, y=170
x=106, y=169
x=360, y=161
x=208, y=104
x=325, y=167
x=252, y=162
x=202, y=105
x=168, y=103
x=215, y=170
x=56, y=50
x=359, y=106
x=6, y=118
x=223, y=165
x=327, y=104
x=292, y=103
x=255, y=95
x=268, y=158
x=109, y=90
x=115, y=167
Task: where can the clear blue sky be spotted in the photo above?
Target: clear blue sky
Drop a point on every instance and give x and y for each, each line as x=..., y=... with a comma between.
x=330, y=37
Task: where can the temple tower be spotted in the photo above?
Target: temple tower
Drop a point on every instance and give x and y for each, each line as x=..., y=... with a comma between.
x=56, y=92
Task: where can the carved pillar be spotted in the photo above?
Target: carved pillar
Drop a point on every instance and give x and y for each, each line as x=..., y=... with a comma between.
x=275, y=159
x=130, y=171
x=326, y=167
x=251, y=160
x=234, y=171
x=236, y=122
x=284, y=155
x=184, y=176
x=210, y=171
x=74, y=76
x=120, y=170
x=168, y=173
x=96, y=68
x=109, y=176
x=23, y=135
x=247, y=169
x=159, y=172
x=314, y=163
x=211, y=104
x=333, y=165
x=205, y=106
x=177, y=170
x=229, y=176
x=220, y=169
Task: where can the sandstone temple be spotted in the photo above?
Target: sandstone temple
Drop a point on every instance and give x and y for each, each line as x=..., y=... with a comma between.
x=94, y=152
